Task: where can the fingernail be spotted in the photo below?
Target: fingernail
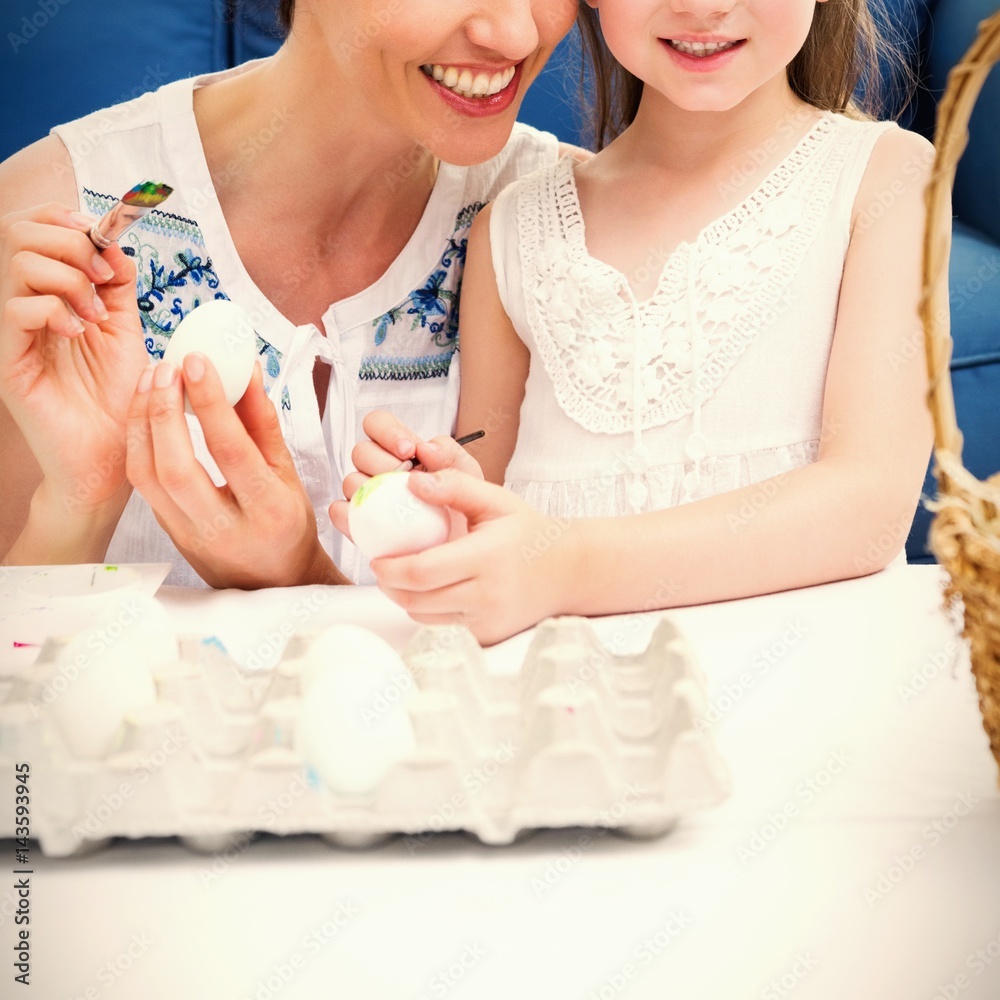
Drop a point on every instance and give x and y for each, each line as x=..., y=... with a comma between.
x=434, y=449
x=100, y=310
x=425, y=483
x=194, y=367
x=163, y=374
x=145, y=380
x=81, y=220
x=102, y=268
x=405, y=449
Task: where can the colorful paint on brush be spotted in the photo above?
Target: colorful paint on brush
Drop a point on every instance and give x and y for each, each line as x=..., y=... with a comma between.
x=148, y=194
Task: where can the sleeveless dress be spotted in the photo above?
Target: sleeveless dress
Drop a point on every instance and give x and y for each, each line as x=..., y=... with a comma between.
x=713, y=383
x=392, y=346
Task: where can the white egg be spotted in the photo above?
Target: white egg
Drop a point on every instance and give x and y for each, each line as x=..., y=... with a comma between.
x=386, y=519
x=353, y=727
x=106, y=671
x=224, y=333
x=338, y=644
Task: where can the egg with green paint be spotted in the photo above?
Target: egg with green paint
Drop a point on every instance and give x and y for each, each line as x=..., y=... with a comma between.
x=386, y=519
x=223, y=333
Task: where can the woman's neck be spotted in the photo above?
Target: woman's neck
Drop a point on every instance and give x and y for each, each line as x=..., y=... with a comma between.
x=301, y=176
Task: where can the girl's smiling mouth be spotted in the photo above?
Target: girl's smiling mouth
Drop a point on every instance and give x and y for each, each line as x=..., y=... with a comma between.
x=702, y=54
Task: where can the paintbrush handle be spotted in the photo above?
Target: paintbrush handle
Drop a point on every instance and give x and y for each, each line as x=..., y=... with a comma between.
x=412, y=463
x=114, y=224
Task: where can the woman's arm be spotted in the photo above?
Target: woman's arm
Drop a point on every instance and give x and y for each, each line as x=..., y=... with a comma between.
x=843, y=516
x=62, y=439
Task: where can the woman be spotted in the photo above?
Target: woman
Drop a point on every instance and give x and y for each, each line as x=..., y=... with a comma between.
x=328, y=190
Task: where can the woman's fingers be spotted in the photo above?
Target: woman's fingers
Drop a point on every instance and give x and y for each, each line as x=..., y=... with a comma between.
x=33, y=274
x=140, y=461
x=56, y=242
x=259, y=416
x=339, y=517
x=238, y=456
x=35, y=315
x=177, y=470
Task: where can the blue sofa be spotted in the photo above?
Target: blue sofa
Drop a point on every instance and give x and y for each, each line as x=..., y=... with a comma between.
x=62, y=61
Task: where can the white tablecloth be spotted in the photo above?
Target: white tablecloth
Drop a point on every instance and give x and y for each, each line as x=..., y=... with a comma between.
x=858, y=857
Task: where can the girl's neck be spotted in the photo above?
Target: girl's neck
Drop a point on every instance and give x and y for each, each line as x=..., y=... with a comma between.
x=680, y=141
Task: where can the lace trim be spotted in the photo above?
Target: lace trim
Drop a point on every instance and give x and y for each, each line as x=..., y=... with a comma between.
x=712, y=298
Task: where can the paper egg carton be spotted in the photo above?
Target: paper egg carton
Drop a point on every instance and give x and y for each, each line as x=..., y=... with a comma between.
x=578, y=737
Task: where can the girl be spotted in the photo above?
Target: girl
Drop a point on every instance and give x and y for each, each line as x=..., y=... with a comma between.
x=328, y=190
x=687, y=350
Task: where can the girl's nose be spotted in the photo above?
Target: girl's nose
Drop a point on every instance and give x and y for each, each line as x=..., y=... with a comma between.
x=703, y=8
x=506, y=27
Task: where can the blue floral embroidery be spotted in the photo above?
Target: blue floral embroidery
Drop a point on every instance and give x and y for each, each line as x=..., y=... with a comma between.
x=286, y=402
x=434, y=308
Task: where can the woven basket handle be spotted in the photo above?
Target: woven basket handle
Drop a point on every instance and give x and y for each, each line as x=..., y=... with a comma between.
x=965, y=82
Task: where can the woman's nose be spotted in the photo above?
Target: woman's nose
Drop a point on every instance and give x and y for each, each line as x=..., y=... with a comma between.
x=506, y=27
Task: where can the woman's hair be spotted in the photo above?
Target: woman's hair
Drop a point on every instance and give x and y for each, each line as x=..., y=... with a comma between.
x=286, y=8
x=847, y=64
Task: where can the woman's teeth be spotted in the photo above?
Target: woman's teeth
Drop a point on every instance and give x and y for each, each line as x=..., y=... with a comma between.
x=465, y=84
x=699, y=49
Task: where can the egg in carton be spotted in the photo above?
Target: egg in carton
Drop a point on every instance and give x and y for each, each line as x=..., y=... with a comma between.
x=360, y=747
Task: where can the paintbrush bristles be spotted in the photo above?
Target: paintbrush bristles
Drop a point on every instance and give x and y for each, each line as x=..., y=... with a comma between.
x=149, y=194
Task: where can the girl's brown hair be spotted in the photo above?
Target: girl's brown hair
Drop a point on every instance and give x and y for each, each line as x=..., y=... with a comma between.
x=841, y=67
x=286, y=8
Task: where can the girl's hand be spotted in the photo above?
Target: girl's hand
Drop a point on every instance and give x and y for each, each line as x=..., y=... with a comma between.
x=71, y=350
x=390, y=443
x=513, y=568
x=259, y=529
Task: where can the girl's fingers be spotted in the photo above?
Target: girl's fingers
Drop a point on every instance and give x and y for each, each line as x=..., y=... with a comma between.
x=234, y=450
x=446, y=603
x=59, y=243
x=338, y=515
x=446, y=453
x=353, y=481
x=178, y=472
x=370, y=458
x=386, y=431
x=33, y=274
x=140, y=462
x=443, y=566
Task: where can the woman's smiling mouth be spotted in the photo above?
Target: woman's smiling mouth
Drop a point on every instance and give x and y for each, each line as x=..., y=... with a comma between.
x=468, y=84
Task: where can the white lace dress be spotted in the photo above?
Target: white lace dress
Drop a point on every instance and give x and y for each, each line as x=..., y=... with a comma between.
x=713, y=383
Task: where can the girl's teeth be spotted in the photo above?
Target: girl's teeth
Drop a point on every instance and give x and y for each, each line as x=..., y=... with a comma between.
x=464, y=83
x=700, y=49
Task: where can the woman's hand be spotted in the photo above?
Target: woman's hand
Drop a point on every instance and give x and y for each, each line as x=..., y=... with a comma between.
x=513, y=568
x=71, y=350
x=389, y=444
x=259, y=529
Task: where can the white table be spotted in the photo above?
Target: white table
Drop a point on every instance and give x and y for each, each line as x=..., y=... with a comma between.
x=858, y=857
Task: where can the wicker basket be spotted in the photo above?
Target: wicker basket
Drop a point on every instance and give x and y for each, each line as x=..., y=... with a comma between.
x=965, y=534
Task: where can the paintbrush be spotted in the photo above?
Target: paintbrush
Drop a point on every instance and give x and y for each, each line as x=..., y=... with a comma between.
x=124, y=214
x=412, y=463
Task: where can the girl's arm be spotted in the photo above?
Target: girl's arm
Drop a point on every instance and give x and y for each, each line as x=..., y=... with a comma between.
x=494, y=359
x=843, y=516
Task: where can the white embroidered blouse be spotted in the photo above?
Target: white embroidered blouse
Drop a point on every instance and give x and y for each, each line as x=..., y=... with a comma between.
x=716, y=380
x=392, y=346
